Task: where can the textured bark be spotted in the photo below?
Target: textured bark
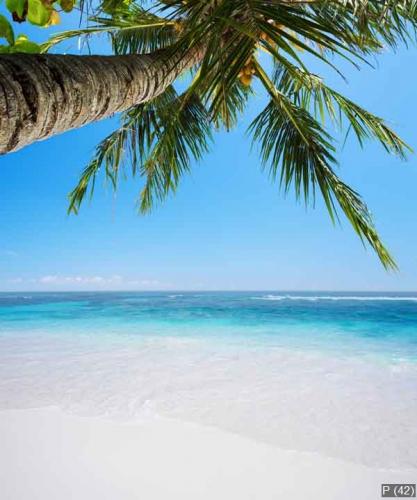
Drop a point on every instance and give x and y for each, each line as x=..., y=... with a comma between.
x=44, y=94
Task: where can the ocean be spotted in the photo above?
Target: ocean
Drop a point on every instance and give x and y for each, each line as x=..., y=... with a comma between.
x=329, y=373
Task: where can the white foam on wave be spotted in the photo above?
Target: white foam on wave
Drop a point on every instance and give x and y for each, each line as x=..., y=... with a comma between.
x=343, y=407
x=314, y=298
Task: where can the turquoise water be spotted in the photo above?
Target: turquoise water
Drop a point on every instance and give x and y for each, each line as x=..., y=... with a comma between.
x=329, y=373
x=363, y=323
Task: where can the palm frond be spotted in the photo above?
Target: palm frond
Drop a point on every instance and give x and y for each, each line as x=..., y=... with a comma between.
x=148, y=31
x=310, y=92
x=158, y=140
x=376, y=22
x=184, y=132
x=132, y=29
x=302, y=154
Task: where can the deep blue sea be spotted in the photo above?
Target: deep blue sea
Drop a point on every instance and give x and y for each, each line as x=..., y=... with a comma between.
x=334, y=373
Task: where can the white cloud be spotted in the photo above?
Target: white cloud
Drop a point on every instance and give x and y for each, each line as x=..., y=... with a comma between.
x=88, y=282
x=48, y=279
x=76, y=279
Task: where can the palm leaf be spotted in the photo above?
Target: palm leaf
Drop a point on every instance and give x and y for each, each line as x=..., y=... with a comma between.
x=158, y=140
x=302, y=154
x=310, y=92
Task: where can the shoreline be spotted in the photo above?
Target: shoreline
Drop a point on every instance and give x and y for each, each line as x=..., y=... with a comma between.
x=48, y=454
x=343, y=408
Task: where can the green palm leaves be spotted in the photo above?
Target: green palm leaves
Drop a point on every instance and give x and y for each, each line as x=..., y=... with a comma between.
x=160, y=139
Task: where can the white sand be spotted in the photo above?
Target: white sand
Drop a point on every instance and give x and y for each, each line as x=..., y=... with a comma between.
x=46, y=454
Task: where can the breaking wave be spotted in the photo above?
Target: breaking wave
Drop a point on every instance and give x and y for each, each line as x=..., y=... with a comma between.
x=314, y=298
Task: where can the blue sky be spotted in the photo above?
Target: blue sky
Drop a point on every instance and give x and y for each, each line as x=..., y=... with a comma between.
x=228, y=227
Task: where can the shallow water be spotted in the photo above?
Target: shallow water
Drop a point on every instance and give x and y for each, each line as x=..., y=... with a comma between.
x=330, y=373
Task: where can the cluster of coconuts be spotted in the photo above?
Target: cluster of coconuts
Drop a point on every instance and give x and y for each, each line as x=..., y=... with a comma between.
x=246, y=73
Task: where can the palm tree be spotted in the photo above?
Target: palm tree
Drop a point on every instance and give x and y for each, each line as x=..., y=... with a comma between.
x=162, y=130
x=47, y=94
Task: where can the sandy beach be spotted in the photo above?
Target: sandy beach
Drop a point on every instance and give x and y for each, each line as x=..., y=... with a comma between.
x=47, y=454
x=236, y=396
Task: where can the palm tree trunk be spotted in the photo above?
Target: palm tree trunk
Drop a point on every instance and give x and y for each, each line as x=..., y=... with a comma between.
x=44, y=94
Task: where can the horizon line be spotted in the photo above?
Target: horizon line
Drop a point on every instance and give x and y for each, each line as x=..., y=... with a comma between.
x=249, y=290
